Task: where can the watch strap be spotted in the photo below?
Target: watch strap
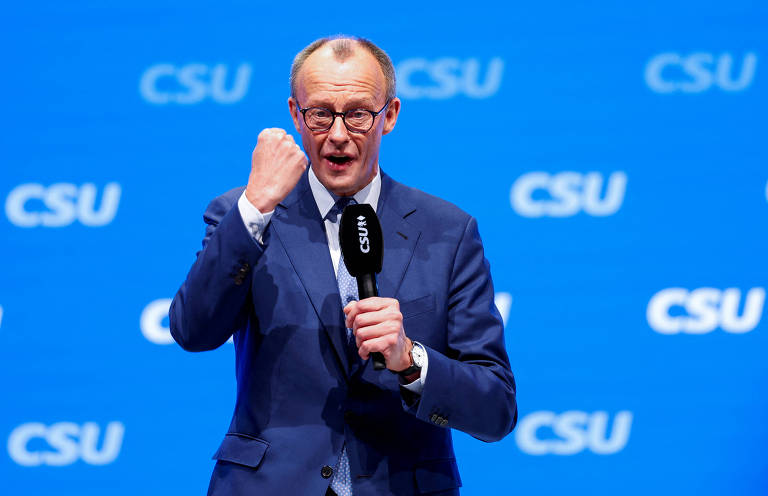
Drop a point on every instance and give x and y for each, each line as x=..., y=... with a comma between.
x=410, y=370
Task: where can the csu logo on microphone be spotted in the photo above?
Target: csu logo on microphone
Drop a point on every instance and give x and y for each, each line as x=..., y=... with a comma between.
x=449, y=77
x=702, y=310
x=362, y=231
x=192, y=83
x=540, y=194
x=572, y=432
x=61, y=204
x=698, y=72
x=34, y=444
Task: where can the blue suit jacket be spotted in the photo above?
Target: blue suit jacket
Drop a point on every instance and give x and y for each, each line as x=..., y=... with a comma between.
x=300, y=397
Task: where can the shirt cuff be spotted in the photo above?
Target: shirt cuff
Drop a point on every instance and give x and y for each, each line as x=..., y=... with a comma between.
x=255, y=221
x=417, y=386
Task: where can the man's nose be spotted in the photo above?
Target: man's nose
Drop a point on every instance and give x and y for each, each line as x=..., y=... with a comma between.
x=338, y=132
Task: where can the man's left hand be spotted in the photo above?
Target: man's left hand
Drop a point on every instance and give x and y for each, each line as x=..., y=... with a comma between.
x=378, y=326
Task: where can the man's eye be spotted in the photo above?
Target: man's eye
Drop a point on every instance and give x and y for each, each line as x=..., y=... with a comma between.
x=357, y=114
x=321, y=113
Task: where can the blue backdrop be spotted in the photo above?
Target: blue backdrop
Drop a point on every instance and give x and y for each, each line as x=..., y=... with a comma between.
x=614, y=155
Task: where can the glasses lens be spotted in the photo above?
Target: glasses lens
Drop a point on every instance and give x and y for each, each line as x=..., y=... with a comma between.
x=318, y=118
x=358, y=120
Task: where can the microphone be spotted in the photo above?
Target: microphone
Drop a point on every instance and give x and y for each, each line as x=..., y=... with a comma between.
x=362, y=246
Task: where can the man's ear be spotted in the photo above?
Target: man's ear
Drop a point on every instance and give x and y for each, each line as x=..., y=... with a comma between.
x=390, y=116
x=294, y=109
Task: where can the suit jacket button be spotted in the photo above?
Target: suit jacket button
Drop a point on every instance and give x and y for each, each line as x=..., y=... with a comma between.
x=326, y=471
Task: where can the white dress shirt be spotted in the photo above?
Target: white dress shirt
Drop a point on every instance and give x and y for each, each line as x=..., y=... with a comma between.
x=256, y=223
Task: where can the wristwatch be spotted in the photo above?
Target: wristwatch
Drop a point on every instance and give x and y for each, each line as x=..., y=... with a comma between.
x=418, y=355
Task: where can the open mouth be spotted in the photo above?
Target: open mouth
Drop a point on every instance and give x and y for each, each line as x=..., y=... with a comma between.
x=339, y=159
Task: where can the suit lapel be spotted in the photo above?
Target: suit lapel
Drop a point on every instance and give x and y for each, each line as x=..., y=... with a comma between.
x=400, y=238
x=300, y=229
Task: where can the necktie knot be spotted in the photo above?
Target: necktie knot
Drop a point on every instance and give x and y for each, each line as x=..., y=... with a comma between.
x=339, y=206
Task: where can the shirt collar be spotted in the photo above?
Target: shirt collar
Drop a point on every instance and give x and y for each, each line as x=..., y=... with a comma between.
x=325, y=200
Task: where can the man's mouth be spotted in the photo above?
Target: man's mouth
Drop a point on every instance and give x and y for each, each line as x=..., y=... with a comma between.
x=339, y=159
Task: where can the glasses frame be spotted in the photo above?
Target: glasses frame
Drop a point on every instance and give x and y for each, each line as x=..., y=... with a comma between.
x=342, y=115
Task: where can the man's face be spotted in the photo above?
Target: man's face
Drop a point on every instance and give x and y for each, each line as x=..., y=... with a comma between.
x=343, y=161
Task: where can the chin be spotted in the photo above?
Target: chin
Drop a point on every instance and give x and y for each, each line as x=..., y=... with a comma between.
x=342, y=188
x=342, y=179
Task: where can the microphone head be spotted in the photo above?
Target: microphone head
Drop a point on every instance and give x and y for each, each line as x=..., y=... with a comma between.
x=361, y=240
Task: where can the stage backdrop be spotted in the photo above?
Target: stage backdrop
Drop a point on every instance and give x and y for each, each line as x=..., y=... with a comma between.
x=614, y=155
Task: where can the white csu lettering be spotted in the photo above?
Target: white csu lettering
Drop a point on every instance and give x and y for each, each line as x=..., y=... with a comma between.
x=539, y=194
x=448, y=77
x=503, y=303
x=65, y=203
x=152, y=320
x=573, y=431
x=192, y=83
x=697, y=72
x=362, y=233
x=67, y=441
x=706, y=309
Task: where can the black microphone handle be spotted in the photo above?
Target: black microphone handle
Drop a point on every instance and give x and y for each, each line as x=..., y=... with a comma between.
x=366, y=287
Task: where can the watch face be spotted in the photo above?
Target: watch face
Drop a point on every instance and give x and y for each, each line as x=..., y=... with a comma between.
x=418, y=355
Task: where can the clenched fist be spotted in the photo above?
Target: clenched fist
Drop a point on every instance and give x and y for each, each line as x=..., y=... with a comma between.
x=277, y=163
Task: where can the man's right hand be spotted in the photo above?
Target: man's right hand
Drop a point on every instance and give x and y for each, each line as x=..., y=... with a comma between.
x=277, y=163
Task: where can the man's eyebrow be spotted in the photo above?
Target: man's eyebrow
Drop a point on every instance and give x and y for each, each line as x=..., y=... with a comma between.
x=352, y=104
x=363, y=103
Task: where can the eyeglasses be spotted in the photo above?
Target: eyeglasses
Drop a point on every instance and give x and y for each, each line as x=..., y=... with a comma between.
x=355, y=120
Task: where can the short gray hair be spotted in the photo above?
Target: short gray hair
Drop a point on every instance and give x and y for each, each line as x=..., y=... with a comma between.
x=342, y=46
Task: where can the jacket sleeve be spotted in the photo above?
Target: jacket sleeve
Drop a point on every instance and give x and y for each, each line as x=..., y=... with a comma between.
x=471, y=387
x=213, y=302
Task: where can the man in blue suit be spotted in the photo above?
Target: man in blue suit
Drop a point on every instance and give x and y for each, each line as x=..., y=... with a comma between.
x=312, y=416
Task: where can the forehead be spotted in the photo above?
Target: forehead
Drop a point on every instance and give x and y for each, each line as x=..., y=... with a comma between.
x=324, y=79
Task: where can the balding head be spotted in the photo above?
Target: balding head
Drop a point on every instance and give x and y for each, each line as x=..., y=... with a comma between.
x=343, y=47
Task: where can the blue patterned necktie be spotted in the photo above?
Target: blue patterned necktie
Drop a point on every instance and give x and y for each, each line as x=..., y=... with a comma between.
x=347, y=283
x=342, y=480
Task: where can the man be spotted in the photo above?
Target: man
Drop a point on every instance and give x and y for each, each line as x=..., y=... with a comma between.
x=312, y=415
